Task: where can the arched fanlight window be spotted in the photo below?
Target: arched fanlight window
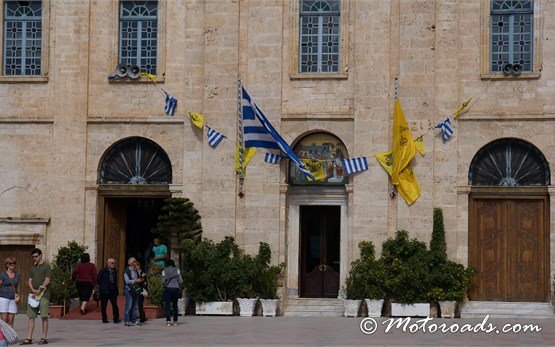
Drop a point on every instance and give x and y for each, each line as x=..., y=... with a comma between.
x=136, y=161
x=509, y=162
x=325, y=152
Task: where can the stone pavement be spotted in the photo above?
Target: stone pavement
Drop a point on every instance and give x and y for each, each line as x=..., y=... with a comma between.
x=286, y=331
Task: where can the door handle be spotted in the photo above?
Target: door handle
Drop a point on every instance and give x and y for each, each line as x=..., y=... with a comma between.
x=325, y=267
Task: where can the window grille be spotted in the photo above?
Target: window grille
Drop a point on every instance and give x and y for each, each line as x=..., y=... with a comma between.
x=512, y=33
x=22, y=38
x=319, y=36
x=138, y=34
x=509, y=162
x=136, y=161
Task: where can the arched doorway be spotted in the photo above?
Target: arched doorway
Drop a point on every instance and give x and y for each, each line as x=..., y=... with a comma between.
x=317, y=212
x=134, y=176
x=509, y=222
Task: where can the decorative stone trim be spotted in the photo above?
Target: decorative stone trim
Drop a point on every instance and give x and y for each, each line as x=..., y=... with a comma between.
x=23, y=230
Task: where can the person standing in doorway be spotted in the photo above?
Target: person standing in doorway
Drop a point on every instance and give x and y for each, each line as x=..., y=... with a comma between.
x=39, y=281
x=142, y=275
x=108, y=290
x=9, y=294
x=132, y=290
x=171, y=279
x=84, y=275
x=160, y=253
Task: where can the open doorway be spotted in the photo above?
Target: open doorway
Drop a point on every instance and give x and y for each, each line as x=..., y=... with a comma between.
x=142, y=217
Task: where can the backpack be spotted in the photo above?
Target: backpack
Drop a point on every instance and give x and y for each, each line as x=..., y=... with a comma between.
x=9, y=334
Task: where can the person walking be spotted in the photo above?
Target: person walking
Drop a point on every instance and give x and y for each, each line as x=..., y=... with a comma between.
x=9, y=294
x=132, y=290
x=171, y=279
x=142, y=275
x=39, y=281
x=107, y=280
x=84, y=275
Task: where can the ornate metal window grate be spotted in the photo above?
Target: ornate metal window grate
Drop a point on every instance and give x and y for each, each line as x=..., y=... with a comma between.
x=512, y=34
x=319, y=36
x=509, y=162
x=22, y=38
x=136, y=161
x=138, y=31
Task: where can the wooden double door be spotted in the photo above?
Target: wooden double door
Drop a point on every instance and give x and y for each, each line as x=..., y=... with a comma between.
x=320, y=238
x=509, y=248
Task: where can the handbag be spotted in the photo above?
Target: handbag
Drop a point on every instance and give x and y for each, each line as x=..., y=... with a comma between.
x=96, y=296
x=17, y=298
x=135, y=289
x=9, y=333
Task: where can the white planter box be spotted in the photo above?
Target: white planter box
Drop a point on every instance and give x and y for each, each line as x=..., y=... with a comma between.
x=351, y=307
x=246, y=306
x=269, y=307
x=374, y=307
x=414, y=310
x=182, y=305
x=223, y=308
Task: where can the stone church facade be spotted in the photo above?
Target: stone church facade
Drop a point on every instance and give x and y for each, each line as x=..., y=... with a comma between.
x=63, y=124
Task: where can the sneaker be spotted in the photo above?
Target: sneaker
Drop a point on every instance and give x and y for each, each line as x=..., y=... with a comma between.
x=138, y=323
x=168, y=324
x=105, y=321
x=129, y=324
x=174, y=323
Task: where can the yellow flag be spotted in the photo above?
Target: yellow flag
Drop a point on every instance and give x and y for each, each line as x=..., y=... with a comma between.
x=316, y=168
x=385, y=158
x=248, y=154
x=419, y=144
x=150, y=76
x=408, y=186
x=461, y=107
x=403, y=144
x=197, y=119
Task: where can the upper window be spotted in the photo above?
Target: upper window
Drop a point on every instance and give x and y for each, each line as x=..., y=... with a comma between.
x=323, y=152
x=509, y=162
x=319, y=40
x=22, y=38
x=138, y=34
x=512, y=36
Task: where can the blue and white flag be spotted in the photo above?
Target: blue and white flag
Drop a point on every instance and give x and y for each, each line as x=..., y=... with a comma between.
x=171, y=104
x=355, y=165
x=258, y=132
x=272, y=158
x=446, y=129
x=214, y=137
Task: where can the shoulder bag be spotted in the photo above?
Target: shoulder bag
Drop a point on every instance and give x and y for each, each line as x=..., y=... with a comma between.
x=9, y=334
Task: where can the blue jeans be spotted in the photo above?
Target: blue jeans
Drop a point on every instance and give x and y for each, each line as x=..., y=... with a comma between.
x=170, y=297
x=131, y=306
x=3, y=343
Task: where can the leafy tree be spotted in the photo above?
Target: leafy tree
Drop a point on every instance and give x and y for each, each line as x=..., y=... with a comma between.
x=437, y=244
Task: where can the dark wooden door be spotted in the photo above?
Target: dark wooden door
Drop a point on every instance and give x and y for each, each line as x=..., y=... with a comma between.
x=115, y=223
x=22, y=255
x=320, y=237
x=509, y=248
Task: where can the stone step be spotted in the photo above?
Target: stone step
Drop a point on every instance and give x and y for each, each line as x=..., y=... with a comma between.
x=314, y=308
x=308, y=307
x=495, y=309
x=313, y=314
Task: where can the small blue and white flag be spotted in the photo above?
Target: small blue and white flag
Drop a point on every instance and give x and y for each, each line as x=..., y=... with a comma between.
x=171, y=104
x=214, y=137
x=355, y=165
x=272, y=158
x=446, y=129
x=259, y=133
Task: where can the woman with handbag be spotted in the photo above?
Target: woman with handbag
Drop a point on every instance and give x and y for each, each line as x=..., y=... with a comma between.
x=9, y=296
x=84, y=275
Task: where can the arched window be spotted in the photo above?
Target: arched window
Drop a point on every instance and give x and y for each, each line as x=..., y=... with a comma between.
x=509, y=162
x=325, y=152
x=136, y=161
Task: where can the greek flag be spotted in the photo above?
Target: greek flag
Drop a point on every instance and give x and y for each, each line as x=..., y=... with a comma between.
x=446, y=129
x=258, y=132
x=272, y=158
x=171, y=104
x=214, y=137
x=355, y=165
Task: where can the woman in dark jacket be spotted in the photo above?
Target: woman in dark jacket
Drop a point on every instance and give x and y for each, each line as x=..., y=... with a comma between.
x=85, y=276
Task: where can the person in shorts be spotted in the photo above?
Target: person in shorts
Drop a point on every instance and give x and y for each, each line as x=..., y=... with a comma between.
x=9, y=285
x=39, y=280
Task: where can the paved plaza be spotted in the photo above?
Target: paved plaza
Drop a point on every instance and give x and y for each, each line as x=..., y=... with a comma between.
x=285, y=331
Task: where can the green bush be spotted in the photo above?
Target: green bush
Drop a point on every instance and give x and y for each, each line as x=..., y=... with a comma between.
x=62, y=287
x=155, y=286
x=265, y=276
x=450, y=282
x=366, y=279
x=438, y=245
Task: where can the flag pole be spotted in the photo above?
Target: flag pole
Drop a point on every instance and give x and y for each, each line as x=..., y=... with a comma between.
x=240, y=141
x=393, y=192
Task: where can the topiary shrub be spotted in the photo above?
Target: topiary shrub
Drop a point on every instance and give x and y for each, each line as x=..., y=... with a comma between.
x=366, y=279
x=62, y=287
x=438, y=245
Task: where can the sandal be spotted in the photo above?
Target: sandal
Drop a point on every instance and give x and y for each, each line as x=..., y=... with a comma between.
x=43, y=341
x=27, y=342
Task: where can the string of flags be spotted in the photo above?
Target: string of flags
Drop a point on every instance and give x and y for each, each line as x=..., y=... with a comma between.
x=256, y=132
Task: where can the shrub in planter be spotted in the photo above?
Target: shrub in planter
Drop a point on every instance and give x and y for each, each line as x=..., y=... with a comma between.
x=155, y=286
x=62, y=287
x=265, y=281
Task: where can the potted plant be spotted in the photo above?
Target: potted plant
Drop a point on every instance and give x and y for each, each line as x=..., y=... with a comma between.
x=155, y=300
x=265, y=282
x=247, y=300
x=213, y=274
